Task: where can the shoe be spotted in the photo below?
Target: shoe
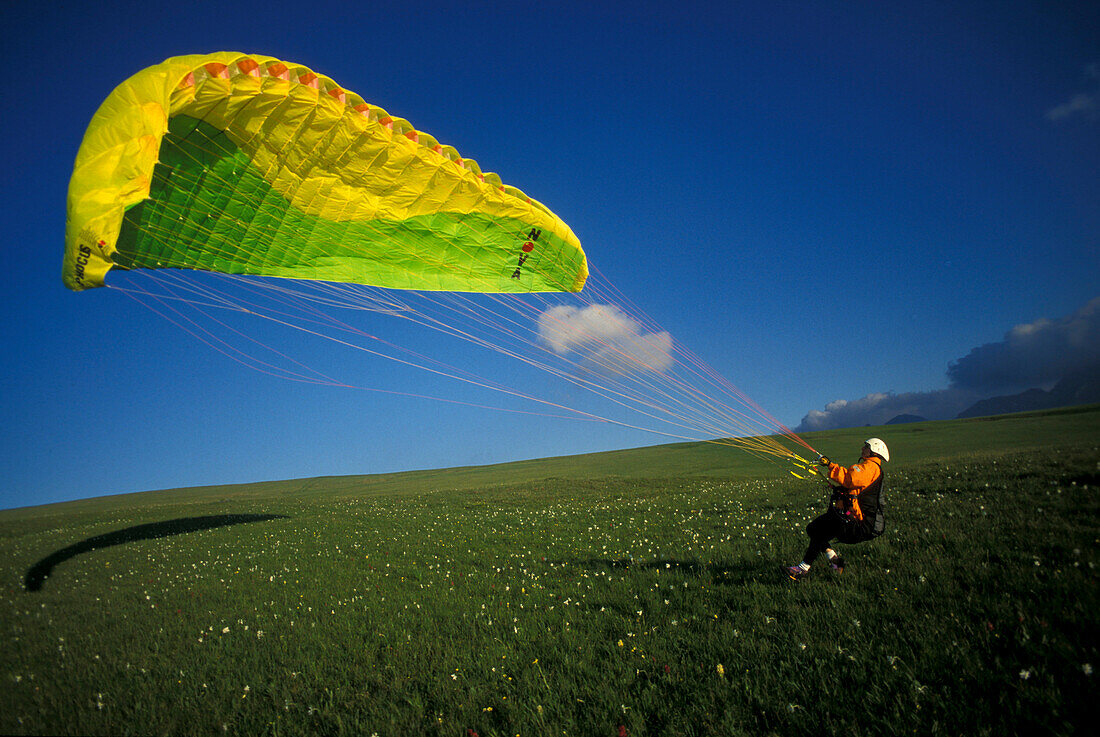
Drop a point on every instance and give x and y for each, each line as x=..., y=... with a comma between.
x=837, y=564
x=797, y=572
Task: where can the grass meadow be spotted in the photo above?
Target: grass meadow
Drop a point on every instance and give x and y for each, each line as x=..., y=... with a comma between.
x=630, y=593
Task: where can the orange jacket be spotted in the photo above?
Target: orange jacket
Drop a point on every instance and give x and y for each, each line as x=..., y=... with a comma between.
x=853, y=480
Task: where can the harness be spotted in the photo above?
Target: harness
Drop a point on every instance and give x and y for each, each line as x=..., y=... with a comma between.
x=873, y=505
x=867, y=509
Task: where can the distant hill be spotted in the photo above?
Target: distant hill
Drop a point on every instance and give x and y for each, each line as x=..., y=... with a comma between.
x=902, y=419
x=1082, y=387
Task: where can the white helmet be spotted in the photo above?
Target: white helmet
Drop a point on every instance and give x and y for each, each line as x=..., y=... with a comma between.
x=878, y=448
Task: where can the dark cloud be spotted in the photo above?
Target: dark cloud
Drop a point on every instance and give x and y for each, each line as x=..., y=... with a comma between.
x=1036, y=354
x=880, y=408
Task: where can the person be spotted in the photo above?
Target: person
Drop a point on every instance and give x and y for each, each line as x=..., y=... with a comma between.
x=855, y=511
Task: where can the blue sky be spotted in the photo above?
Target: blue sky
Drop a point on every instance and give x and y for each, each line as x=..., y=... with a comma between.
x=823, y=200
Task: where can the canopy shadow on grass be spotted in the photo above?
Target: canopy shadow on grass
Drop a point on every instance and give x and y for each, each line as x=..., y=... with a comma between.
x=40, y=571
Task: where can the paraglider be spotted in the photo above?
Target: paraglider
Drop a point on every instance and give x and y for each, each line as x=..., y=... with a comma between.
x=856, y=510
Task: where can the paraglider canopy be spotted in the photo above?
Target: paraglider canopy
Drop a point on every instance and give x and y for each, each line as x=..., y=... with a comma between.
x=244, y=164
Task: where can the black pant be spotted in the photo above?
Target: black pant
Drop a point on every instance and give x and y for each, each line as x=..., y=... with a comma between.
x=832, y=526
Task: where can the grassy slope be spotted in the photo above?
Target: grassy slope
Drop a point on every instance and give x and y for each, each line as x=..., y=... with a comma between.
x=910, y=444
x=575, y=594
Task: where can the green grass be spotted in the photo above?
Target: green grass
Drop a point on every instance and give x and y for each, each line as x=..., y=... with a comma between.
x=640, y=589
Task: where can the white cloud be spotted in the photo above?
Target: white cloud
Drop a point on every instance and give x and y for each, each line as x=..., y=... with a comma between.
x=1086, y=104
x=652, y=351
x=566, y=328
x=881, y=407
x=604, y=336
x=1082, y=102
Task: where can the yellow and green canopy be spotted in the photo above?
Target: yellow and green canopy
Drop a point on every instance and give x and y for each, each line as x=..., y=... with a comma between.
x=245, y=164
